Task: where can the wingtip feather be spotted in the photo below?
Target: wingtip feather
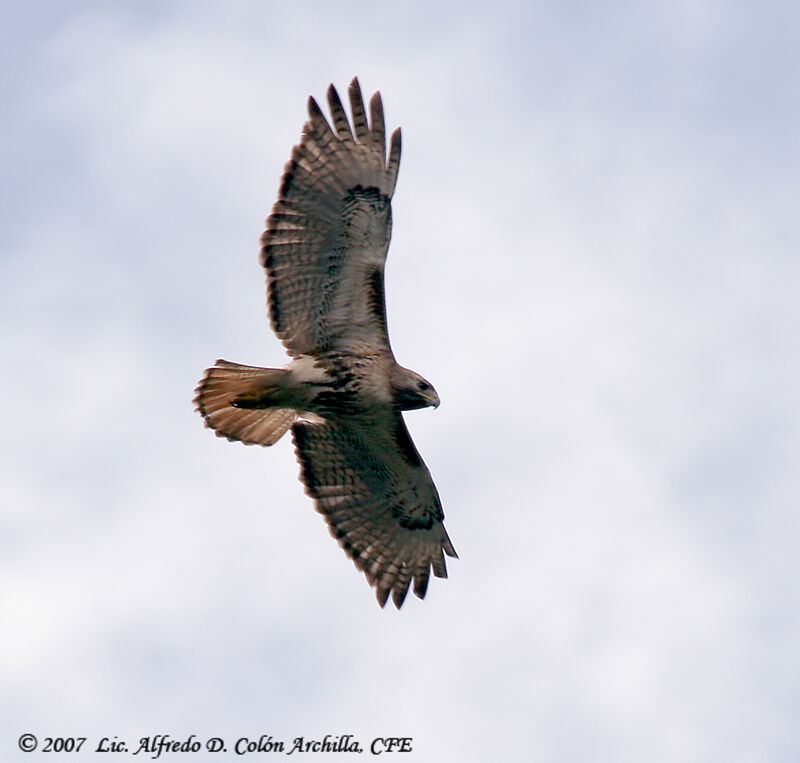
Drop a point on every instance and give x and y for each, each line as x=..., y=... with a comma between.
x=378, y=125
x=340, y=122
x=314, y=111
x=382, y=595
x=360, y=123
x=393, y=165
x=399, y=592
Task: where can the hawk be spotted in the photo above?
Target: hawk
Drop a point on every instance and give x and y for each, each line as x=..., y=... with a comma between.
x=343, y=393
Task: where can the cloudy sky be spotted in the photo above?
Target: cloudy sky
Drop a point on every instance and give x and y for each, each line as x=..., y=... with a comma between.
x=595, y=260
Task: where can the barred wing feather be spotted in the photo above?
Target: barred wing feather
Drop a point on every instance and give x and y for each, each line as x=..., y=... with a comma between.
x=378, y=499
x=327, y=237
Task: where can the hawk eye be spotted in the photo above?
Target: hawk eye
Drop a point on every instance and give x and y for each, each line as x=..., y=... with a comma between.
x=422, y=386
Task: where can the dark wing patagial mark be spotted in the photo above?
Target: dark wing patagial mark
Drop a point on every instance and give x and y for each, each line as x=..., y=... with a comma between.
x=376, y=297
x=406, y=447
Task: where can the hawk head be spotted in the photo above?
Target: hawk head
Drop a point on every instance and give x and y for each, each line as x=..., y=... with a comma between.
x=410, y=391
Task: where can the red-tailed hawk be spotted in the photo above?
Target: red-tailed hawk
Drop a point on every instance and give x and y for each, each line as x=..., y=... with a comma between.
x=343, y=393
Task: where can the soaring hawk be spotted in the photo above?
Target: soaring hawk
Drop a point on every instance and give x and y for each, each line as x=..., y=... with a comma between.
x=343, y=393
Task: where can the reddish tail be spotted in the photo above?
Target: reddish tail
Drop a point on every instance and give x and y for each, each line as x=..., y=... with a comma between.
x=255, y=422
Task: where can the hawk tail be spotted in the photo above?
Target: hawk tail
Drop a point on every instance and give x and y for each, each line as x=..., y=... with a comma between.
x=243, y=402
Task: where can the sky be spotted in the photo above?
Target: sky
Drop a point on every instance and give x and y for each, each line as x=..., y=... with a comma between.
x=594, y=260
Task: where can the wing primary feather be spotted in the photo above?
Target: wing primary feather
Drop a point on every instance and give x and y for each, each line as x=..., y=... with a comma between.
x=315, y=114
x=340, y=121
x=359, y=114
x=382, y=594
x=439, y=565
x=400, y=590
x=421, y=578
x=378, y=126
x=393, y=164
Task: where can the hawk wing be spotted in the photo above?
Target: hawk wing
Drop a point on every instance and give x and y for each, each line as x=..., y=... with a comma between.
x=326, y=240
x=378, y=499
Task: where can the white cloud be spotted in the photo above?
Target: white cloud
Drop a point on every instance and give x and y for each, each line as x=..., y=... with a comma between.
x=606, y=308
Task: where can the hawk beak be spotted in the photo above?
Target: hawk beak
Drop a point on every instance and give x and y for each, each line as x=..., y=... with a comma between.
x=434, y=400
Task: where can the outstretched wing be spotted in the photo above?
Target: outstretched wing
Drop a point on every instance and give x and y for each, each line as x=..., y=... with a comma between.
x=378, y=499
x=326, y=240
